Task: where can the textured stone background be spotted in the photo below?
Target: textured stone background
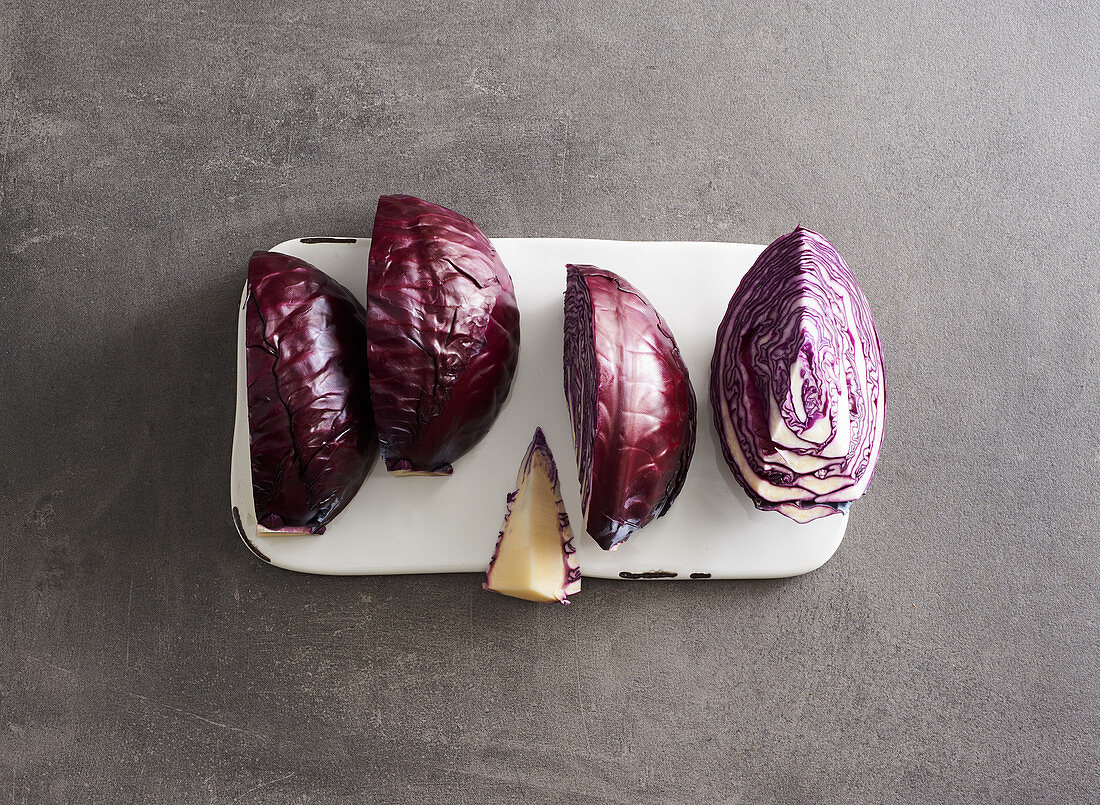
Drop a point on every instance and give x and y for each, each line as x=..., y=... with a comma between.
x=948, y=653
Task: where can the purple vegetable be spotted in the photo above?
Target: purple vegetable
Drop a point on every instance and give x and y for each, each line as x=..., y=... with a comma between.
x=630, y=402
x=797, y=381
x=534, y=556
x=311, y=431
x=442, y=334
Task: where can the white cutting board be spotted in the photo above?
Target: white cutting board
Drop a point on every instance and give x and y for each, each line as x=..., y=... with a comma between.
x=450, y=525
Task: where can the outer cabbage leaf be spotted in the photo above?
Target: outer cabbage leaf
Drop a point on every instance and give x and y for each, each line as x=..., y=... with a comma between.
x=311, y=431
x=798, y=386
x=442, y=334
x=631, y=404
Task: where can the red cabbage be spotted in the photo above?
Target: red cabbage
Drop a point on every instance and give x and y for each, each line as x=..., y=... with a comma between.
x=311, y=432
x=534, y=556
x=442, y=334
x=797, y=381
x=630, y=402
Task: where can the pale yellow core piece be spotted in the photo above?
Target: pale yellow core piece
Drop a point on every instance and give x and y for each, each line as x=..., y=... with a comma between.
x=529, y=564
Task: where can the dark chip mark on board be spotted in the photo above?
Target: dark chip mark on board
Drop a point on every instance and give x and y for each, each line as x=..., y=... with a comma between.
x=649, y=574
x=240, y=530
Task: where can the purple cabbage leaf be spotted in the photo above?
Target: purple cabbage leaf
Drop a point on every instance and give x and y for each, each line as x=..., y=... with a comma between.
x=798, y=387
x=442, y=334
x=631, y=404
x=311, y=432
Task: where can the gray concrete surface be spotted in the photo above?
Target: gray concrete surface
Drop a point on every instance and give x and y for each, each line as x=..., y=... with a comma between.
x=948, y=653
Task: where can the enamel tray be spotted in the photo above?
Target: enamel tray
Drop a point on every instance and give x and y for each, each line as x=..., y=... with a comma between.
x=450, y=525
